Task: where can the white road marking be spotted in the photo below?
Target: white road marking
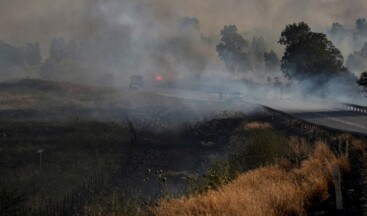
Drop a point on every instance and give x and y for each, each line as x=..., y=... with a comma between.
x=341, y=121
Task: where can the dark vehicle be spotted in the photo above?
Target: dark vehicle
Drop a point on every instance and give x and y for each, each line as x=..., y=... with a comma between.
x=236, y=95
x=136, y=82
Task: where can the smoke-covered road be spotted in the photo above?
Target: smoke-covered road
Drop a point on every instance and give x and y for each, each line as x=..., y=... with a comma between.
x=325, y=114
x=321, y=113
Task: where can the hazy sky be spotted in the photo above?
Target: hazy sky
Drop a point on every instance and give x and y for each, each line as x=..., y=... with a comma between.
x=41, y=20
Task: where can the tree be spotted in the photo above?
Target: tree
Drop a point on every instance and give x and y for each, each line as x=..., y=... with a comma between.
x=337, y=32
x=293, y=33
x=10, y=55
x=271, y=60
x=309, y=55
x=362, y=81
x=336, y=28
x=231, y=49
x=58, y=50
x=32, y=54
x=357, y=61
x=258, y=48
x=361, y=27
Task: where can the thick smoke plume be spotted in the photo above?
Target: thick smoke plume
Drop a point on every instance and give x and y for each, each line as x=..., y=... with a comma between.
x=173, y=38
x=42, y=20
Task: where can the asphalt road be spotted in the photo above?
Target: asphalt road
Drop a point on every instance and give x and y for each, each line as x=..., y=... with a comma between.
x=319, y=112
x=325, y=114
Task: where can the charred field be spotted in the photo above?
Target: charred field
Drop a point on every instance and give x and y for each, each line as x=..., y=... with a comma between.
x=154, y=108
x=120, y=152
x=97, y=141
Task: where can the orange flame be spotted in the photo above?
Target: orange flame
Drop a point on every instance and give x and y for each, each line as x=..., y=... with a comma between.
x=158, y=77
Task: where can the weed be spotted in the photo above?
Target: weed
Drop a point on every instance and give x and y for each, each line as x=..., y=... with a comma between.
x=269, y=190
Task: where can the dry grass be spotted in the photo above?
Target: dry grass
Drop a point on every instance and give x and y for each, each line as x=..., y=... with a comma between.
x=257, y=125
x=270, y=190
x=299, y=146
x=299, y=149
x=359, y=146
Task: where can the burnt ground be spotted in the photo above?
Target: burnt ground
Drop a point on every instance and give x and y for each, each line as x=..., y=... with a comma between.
x=86, y=137
x=190, y=150
x=78, y=153
x=175, y=137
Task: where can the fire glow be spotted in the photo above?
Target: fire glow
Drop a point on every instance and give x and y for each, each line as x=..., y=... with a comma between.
x=158, y=77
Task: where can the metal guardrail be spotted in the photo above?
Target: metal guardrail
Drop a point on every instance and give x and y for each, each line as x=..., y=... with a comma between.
x=310, y=125
x=354, y=107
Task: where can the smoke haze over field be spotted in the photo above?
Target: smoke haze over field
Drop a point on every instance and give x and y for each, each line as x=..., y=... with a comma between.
x=151, y=36
x=41, y=20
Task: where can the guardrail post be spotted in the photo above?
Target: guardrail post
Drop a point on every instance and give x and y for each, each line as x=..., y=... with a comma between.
x=340, y=145
x=338, y=191
x=347, y=148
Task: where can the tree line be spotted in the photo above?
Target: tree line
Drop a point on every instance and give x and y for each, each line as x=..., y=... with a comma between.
x=240, y=55
x=11, y=55
x=308, y=57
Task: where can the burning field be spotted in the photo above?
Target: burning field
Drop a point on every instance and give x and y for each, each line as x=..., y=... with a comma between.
x=96, y=139
x=122, y=153
x=155, y=107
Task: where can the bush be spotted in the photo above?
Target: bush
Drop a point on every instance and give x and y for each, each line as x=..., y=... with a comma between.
x=258, y=146
x=254, y=145
x=270, y=190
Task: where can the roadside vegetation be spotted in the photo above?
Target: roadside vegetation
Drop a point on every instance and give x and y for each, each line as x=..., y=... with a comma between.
x=157, y=163
x=265, y=172
x=270, y=190
x=268, y=175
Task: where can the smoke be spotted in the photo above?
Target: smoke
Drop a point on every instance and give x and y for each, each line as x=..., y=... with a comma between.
x=42, y=20
x=156, y=38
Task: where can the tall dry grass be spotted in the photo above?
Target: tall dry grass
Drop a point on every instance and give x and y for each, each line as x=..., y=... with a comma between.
x=257, y=125
x=359, y=146
x=270, y=190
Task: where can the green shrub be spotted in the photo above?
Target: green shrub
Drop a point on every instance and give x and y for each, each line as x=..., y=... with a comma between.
x=249, y=150
x=264, y=147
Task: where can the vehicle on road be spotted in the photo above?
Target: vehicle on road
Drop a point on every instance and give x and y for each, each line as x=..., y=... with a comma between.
x=235, y=95
x=136, y=82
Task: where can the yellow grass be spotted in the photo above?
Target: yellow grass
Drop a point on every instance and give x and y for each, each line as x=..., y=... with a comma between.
x=359, y=146
x=270, y=190
x=257, y=125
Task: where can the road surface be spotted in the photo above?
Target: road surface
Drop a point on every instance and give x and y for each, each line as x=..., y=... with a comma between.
x=329, y=115
x=321, y=113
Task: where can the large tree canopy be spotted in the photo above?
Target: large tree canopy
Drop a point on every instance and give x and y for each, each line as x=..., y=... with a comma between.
x=309, y=55
x=231, y=49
